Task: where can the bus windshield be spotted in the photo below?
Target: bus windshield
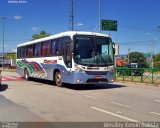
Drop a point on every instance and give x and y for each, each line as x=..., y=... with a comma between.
x=93, y=50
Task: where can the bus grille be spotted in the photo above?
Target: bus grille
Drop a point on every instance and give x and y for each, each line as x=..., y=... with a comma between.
x=97, y=81
x=96, y=72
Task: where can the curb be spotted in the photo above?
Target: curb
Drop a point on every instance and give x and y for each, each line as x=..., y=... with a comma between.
x=136, y=83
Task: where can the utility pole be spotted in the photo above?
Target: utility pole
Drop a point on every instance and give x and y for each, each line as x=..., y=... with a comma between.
x=71, y=17
x=99, y=16
x=128, y=55
x=152, y=61
x=3, y=20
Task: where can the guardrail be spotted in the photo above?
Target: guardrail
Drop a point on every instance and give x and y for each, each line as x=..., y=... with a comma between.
x=142, y=75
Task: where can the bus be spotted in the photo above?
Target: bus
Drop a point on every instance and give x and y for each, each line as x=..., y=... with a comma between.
x=72, y=57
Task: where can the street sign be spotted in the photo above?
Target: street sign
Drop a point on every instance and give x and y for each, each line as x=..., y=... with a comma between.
x=11, y=55
x=109, y=25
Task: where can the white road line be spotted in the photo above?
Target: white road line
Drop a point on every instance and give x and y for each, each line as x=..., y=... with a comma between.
x=90, y=97
x=121, y=104
x=70, y=92
x=155, y=113
x=113, y=114
x=157, y=101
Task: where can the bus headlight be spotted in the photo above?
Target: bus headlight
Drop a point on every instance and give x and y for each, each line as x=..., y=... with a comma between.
x=77, y=68
x=112, y=70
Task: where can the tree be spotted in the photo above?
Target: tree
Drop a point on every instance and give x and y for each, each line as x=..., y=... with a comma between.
x=136, y=57
x=41, y=35
x=157, y=57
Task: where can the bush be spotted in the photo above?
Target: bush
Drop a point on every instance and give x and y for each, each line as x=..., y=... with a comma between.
x=157, y=64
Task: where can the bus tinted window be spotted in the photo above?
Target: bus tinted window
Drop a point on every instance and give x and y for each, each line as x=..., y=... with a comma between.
x=46, y=48
x=18, y=53
x=30, y=51
x=37, y=52
x=23, y=52
x=55, y=47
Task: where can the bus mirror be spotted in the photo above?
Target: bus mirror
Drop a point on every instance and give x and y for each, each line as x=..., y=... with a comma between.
x=114, y=51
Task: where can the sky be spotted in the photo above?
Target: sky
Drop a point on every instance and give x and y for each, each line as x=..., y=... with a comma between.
x=138, y=21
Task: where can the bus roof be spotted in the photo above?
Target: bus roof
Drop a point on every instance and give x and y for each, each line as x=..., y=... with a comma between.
x=67, y=33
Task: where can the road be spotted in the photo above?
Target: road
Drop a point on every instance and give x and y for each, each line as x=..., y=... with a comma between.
x=42, y=101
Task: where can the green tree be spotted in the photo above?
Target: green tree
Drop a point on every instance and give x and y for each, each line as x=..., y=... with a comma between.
x=42, y=34
x=157, y=57
x=136, y=57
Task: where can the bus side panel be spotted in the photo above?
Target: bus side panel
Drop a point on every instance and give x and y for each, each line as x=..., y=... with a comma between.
x=20, y=71
x=51, y=68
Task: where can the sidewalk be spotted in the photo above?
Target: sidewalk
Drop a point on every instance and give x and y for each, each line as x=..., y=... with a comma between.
x=9, y=72
x=135, y=83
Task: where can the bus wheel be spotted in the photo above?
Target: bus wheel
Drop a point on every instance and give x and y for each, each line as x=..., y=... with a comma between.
x=26, y=74
x=58, y=79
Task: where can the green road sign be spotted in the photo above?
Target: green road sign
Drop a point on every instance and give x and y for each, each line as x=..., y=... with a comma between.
x=11, y=55
x=109, y=25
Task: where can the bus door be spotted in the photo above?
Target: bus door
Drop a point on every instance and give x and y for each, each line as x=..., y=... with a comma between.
x=67, y=52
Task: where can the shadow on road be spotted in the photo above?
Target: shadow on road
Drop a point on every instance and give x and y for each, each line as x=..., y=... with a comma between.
x=92, y=86
x=80, y=86
x=3, y=87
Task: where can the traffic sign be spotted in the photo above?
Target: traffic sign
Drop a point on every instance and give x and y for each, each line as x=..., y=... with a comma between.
x=109, y=25
x=11, y=55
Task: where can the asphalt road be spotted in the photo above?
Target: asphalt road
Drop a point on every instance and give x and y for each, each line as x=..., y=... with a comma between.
x=41, y=101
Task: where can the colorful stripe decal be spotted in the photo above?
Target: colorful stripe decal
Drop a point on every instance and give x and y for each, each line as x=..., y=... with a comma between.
x=34, y=69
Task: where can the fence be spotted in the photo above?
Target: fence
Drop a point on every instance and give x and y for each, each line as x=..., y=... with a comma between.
x=142, y=75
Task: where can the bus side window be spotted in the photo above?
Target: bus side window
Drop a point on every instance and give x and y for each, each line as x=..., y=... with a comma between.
x=46, y=46
x=19, y=53
x=55, y=47
x=24, y=52
x=53, y=43
x=37, y=52
x=59, y=47
x=43, y=48
x=30, y=51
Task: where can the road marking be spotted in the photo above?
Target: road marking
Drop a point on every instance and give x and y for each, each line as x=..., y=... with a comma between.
x=155, y=113
x=3, y=78
x=157, y=101
x=113, y=114
x=9, y=77
x=90, y=97
x=70, y=92
x=121, y=104
x=12, y=78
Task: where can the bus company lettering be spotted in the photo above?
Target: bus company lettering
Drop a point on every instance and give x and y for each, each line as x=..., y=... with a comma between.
x=50, y=62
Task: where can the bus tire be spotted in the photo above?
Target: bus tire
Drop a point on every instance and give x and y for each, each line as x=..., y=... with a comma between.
x=58, y=79
x=26, y=74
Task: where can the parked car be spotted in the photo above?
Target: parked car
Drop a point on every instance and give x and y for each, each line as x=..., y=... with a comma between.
x=131, y=70
x=134, y=70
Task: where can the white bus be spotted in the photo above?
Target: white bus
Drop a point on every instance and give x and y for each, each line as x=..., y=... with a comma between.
x=70, y=57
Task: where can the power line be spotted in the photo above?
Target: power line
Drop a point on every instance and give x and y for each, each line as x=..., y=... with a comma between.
x=138, y=28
